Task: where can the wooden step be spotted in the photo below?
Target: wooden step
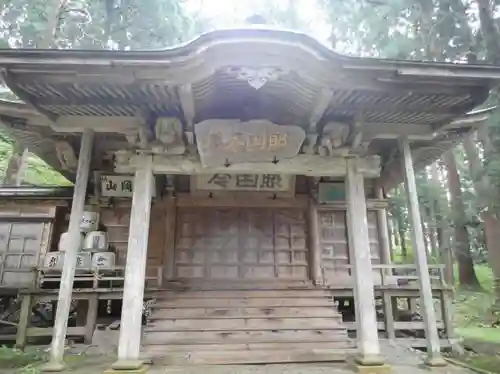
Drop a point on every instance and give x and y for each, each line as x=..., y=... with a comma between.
x=162, y=349
x=220, y=357
x=191, y=285
x=244, y=324
x=243, y=337
x=230, y=294
x=244, y=302
x=241, y=312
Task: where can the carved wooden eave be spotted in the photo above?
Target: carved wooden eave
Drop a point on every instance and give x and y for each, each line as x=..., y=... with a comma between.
x=283, y=77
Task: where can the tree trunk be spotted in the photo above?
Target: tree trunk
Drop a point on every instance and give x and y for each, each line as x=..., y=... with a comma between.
x=466, y=273
x=489, y=30
x=491, y=223
x=425, y=231
x=402, y=239
x=432, y=230
x=53, y=13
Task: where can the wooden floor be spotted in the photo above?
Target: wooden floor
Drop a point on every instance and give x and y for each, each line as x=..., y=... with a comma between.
x=245, y=324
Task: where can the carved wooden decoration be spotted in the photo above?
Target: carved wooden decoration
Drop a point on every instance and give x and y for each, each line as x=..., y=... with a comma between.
x=168, y=136
x=256, y=77
x=334, y=136
x=66, y=155
x=225, y=142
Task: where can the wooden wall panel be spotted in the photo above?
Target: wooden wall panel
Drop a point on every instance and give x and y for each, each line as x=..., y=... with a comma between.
x=116, y=220
x=241, y=243
x=335, y=246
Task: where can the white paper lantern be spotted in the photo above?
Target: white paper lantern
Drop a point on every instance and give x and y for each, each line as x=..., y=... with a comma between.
x=89, y=221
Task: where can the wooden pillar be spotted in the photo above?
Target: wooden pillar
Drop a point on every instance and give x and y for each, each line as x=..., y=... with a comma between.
x=171, y=219
x=91, y=317
x=383, y=232
x=314, y=244
x=434, y=357
x=385, y=259
x=135, y=271
x=359, y=247
x=24, y=321
x=68, y=274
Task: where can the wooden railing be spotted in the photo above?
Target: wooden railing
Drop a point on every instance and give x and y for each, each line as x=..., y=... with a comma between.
x=398, y=274
x=98, y=278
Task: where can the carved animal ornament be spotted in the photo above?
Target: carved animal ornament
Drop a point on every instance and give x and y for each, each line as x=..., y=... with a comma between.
x=165, y=138
x=334, y=136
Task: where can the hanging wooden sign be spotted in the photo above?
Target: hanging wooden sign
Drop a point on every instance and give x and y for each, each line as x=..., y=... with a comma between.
x=225, y=142
x=244, y=182
x=119, y=186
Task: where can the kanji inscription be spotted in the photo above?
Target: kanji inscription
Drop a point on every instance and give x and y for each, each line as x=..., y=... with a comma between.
x=244, y=182
x=118, y=185
x=222, y=142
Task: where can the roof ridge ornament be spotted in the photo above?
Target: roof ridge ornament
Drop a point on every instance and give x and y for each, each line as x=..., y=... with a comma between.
x=256, y=77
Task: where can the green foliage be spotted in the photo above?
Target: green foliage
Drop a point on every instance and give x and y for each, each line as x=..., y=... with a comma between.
x=25, y=362
x=97, y=24
x=37, y=172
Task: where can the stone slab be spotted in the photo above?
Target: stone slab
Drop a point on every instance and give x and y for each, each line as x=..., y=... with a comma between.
x=374, y=369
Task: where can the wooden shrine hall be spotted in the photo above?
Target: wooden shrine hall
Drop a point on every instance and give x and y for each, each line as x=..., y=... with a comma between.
x=241, y=179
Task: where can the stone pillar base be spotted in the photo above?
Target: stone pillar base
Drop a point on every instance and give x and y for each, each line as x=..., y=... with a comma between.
x=435, y=362
x=127, y=367
x=369, y=364
x=53, y=367
x=376, y=369
x=141, y=370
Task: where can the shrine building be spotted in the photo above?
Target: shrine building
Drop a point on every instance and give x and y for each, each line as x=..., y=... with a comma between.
x=236, y=187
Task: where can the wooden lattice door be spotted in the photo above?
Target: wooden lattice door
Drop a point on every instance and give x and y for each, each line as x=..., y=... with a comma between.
x=335, y=245
x=243, y=244
x=21, y=244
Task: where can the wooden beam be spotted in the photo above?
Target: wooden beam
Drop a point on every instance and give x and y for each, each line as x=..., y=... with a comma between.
x=373, y=130
x=120, y=124
x=187, y=103
x=446, y=73
x=359, y=248
x=68, y=273
x=434, y=357
x=135, y=271
x=322, y=101
x=308, y=165
x=187, y=200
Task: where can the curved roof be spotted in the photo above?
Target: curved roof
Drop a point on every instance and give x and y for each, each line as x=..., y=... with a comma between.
x=303, y=83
